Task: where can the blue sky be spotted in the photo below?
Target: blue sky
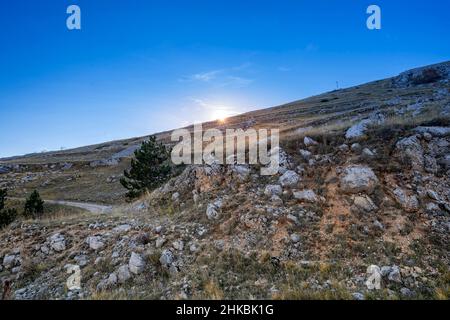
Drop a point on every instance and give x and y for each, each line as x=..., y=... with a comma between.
x=142, y=66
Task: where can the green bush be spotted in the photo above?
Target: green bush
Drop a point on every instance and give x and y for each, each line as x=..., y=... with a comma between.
x=149, y=169
x=34, y=206
x=7, y=216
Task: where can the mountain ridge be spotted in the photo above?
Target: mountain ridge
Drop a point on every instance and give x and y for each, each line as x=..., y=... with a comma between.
x=164, y=134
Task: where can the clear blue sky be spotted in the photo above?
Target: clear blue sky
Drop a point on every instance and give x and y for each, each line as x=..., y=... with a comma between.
x=141, y=66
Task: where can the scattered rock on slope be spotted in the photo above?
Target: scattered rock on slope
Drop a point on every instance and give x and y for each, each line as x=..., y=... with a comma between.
x=363, y=204
x=289, y=179
x=273, y=190
x=358, y=178
x=358, y=130
x=57, y=242
x=213, y=209
x=408, y=202
x=95, y=243
x=412, y=149
x=434, y=131
x=136, y=263
x=306, y=195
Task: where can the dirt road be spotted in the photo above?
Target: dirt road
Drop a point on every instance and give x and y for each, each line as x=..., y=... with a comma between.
x=91, y=207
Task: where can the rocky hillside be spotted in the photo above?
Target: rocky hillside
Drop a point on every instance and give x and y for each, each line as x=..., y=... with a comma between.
x=363, y=192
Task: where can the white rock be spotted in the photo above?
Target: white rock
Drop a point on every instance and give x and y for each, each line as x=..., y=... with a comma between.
x=285, y=162
x=178, y=245
x=95, y=243
x=306, y=155
x=158, y=229
x=309, y=142
x=409, y=203
x=358, y=296
x=136, y=263
x=292, y=218
x=434, y=131
x=16, y=270
x=123, y=274
x=122, y=228
x=9, y=261
x=166, y=258
x=241, y=171
x=276, y=200
x=160, y=242
x=358, y=129
x=412, y=149
x=295, y=238
x=175, y=197
x=306, y=195
x=112, y=279
x=364, y=203
x=357, y=178
x=193, y=248
x=108, y=283
x=273, y=190
x=289, y=179
x=212, y=212
x=45, y=250
x=57, y=242
x=367, y=153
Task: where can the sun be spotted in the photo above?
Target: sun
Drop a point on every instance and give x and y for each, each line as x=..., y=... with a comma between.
x=221, y=115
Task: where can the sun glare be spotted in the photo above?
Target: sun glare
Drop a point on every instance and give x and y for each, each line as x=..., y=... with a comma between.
x=221, y=114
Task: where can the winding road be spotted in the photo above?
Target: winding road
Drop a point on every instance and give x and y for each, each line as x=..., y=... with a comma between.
x=91, y=207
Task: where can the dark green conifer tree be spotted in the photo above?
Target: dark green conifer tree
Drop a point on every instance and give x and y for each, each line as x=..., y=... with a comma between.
x=150, y=168
x=34, y=206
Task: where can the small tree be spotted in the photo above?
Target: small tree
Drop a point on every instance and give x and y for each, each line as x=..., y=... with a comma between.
x=34, y=206
x=149, y=169
x=7, y=216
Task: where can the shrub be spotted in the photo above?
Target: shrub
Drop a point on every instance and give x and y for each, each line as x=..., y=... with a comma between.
x=149, y=169
x=7, y=216
x=34, y=206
